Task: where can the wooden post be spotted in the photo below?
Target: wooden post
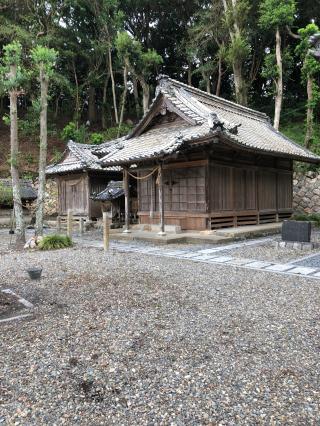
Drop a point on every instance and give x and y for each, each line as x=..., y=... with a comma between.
x=106, y=235
x=69, y=223
x=126, y=201
x=58, y=224
x=81, y=225
x=151, y=199
x=161, y=202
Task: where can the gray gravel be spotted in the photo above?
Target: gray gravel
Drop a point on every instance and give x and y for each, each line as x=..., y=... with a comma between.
x=269, y=252
x=128, y=340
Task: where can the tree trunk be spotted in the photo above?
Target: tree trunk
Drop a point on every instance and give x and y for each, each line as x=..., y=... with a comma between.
x=145, y=94
x=125, y=89
x=279, y=83
x=92, y=105
x=104, y=102
x=189, y=73
x=113, y=87
x=44, y=84
x=136, y=95
x=14, y=145
x=240, y=84
x=241, y=90
x=77, y=98
x=56, y=109
x=309, y=130
x=218, y=88
x=208, y=85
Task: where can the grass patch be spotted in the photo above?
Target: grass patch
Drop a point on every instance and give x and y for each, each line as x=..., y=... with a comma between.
x=53, y=242
x=312, y=217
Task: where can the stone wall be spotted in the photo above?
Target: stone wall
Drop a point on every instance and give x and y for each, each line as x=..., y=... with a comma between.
x=306, y=192
x=51, y=199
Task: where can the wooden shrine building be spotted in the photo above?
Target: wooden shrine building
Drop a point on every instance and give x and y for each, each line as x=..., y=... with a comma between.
x=80, y=176
x=204, y=162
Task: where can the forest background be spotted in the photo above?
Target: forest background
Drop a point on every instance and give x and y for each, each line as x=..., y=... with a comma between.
x=109, y=53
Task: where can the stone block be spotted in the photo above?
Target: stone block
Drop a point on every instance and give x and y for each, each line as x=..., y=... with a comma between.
x=297, y=246
x=307, y=246
x=293, y=230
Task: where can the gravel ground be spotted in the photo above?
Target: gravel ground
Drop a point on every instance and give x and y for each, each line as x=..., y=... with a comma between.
x=8, y=305
x=270, y=253
x=117, y=339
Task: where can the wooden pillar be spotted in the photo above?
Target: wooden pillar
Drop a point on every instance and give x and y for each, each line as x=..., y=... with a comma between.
x=58, y=224
x=126, y=201
x=81, y=225
x=161, y=201
x=105, y=221
x=152, y=200
x=69, y=223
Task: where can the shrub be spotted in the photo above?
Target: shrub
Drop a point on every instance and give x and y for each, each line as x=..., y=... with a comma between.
x=6, y=195
x=312, y=217
x=112, y=132
x=96, y=138
x=52, y=242
x=71, y=132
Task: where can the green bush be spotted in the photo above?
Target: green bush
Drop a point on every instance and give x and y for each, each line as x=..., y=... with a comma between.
x=6, y=195
x=96, y=138
x=112, y=132
x=312, y=217
x=55, y=241
x=71, y=132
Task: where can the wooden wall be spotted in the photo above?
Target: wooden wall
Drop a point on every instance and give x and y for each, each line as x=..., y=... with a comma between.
x=220, y=192
x=75, y=190
x=73, y=194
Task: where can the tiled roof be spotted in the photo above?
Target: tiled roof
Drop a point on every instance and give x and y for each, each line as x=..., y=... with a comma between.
x=113, y=191
x=78, y=157
x=28, y=193
x=206, y=116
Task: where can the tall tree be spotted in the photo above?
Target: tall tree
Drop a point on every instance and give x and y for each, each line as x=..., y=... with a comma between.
x=236, y=14
x=206, y=43
x=12, y=78
x=310, y=70
x=277, y=15
x=139, y=62
x=44, y=60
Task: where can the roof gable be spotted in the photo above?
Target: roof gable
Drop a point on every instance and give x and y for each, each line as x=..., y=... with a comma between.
x=162, y=106
x=206, y=117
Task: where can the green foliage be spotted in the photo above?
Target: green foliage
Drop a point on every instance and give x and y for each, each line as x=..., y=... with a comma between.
x=6, y=119
x=29, y=158
x=277, y=13
x=304, y=217
x=6, y=195
x=270, y=70
x=55, y=241
x=302, y=49
x=56, y=156
x=29, y=125
x=74, y=133
x=12, y=53
x=12, y=56
x=44, y=57
x=238, y=49
x=237, y=14
x=112, y=132
x=96, y=138
x=131, y=51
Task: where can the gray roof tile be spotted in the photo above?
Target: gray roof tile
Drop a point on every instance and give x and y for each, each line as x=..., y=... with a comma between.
x=239, y=125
